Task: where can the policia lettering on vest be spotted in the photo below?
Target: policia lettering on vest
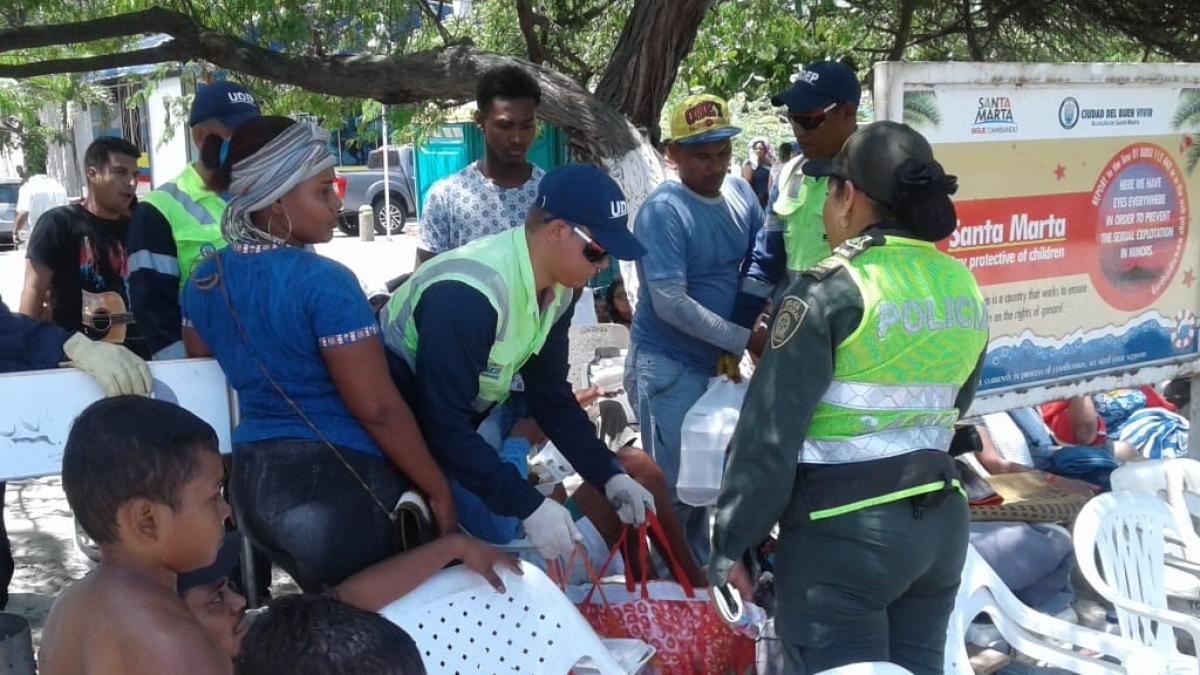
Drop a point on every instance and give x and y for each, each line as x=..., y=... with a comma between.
x=875, y=354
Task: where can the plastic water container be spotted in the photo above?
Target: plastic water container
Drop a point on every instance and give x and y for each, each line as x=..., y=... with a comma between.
x=707, y=428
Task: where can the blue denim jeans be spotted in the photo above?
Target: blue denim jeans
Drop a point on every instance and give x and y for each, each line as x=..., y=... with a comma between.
x=473, y=514
x=302, y=506
x=666, y=390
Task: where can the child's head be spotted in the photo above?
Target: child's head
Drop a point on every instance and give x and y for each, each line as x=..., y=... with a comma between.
x=145, y=475
x=318, y=635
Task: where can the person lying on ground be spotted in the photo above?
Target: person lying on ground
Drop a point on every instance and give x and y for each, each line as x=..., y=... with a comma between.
x=144, y=479
x=1132, y=424
x=221, y=610
x=319, y=635
x=1005, y=450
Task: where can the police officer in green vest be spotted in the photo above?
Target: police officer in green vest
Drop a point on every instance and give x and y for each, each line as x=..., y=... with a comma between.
x=174, y=224
x=822, y=106
x=874, y=354
x=473, y=321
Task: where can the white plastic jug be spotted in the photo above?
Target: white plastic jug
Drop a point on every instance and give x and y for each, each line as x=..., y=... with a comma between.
x=707, y=428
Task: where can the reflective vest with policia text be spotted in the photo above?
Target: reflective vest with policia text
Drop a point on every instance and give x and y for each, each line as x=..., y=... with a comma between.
x=498, y=266
x=799, y=208
x=194, y=213
x=897, y=376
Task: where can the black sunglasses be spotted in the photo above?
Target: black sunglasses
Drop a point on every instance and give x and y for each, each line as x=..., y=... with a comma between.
x=813, y=120
x=592, y=252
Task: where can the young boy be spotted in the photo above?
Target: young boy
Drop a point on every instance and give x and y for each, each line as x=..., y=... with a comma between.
x=143, y=478
x=318, y=635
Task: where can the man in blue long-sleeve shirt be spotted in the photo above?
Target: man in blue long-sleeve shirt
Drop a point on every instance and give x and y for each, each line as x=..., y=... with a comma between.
x=470, y=321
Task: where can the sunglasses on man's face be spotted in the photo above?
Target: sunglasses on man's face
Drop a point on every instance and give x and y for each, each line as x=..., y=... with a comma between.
x=592, y=252
x=812, y=120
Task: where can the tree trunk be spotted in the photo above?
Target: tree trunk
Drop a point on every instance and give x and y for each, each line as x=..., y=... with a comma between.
x=903, y=30
x=658, y=35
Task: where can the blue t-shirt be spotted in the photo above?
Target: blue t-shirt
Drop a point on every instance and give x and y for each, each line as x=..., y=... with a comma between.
x=292, y=304
x=702, y=241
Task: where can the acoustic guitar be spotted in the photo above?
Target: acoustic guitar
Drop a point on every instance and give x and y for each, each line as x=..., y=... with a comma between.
x=106, y=315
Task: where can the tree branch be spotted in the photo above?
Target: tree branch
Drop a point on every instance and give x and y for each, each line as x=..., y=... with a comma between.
x=168, y=51
x=596, y=131
x=525, y=19
x=435, y=18
x=157, y=20
x=583, y=18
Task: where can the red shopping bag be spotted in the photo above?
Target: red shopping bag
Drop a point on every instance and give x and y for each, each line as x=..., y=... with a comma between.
x=681, y=624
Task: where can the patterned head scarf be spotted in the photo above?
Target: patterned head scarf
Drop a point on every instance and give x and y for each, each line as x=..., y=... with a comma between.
x=292, y=157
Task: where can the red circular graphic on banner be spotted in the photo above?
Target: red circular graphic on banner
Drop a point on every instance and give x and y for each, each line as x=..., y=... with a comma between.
x=1140, y=207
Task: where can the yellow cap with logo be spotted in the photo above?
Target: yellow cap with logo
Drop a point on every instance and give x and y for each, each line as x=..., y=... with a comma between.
x=702, y=118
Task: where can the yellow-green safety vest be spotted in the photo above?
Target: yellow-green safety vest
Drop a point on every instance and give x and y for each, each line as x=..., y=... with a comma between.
x=194, y=213
x=896, y=377
x=498, y=266
x=800, y=207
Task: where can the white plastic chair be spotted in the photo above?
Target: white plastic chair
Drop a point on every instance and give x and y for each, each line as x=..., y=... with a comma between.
x=1176, y=481
x=1038, y=635
x=865, y=668
x=462, y=625
x=1127, y=532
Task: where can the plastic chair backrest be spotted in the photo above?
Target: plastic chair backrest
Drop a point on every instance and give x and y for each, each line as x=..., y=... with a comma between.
x=1043, y=637
x=462, y=625
x=585, y=340
x=1177, y=481
x=1127, y=531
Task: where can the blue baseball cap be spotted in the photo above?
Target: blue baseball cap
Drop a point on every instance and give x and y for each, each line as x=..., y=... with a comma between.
x=585, y=195
x=228, y=103
x=819, y=84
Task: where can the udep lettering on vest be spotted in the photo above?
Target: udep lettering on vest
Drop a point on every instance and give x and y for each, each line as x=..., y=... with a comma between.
x=919, y=315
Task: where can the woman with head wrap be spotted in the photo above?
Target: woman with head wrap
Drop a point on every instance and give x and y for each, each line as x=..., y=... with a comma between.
x=325, y=446
x=874, y=354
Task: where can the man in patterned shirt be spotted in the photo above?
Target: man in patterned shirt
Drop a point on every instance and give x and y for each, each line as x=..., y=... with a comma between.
x=493, y=194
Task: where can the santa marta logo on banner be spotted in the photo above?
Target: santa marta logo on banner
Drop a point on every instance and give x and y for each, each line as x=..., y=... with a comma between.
x=994, y=116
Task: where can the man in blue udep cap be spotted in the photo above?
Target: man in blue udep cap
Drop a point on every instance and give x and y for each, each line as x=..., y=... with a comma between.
x=173, y=225
x=697, y=232
x=822, y=106
x=471, y=320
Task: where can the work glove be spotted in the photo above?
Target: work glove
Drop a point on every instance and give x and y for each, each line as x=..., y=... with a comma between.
x=551, y=530
x=727, y=365
x=117, y=370
x=629, y=498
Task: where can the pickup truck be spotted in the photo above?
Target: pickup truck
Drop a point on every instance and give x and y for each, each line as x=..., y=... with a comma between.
x=365, y=186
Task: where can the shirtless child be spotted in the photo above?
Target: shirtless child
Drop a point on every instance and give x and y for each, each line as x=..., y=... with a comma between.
x=143, y=478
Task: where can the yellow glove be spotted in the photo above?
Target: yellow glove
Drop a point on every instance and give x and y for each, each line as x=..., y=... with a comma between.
x=117, y=370
x=727, y=365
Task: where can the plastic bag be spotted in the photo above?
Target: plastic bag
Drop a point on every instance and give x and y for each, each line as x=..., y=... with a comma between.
x=707, y=428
